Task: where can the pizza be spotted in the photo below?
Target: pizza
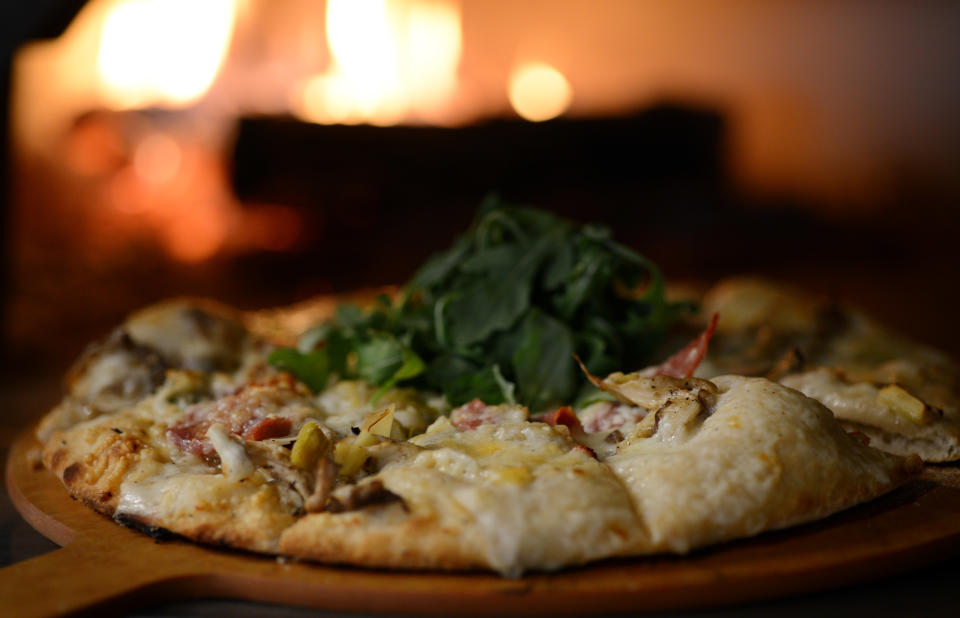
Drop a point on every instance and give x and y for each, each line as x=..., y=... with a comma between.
x=449, y=426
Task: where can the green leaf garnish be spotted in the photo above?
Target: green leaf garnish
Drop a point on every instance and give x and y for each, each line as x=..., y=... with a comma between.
x=311, y=368
x=499, y=316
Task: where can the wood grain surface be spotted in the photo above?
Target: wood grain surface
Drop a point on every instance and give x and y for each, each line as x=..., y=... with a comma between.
x=104, y=566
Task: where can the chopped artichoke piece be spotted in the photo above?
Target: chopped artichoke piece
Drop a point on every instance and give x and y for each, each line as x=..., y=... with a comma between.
x=351, y=452
x=897, y=399
x=311, y=444
x=382, y=423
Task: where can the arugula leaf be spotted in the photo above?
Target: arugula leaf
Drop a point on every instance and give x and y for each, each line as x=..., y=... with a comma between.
x=411, y=367
x=484, y=308
x=446, y=368
x=311, y=368
x=544, y=365
x=441, y=265
x=487, y=384
x=379, y=357
x=591, y=273
x=496, y=300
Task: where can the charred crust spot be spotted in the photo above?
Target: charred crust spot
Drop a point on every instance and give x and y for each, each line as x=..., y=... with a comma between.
x=71, y=472
x=106, y=496
x=355, y=430
x=156, y=532
x=57, y=457
x=115, y=430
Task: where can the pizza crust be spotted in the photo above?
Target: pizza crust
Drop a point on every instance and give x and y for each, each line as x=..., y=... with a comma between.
x=761, y=457
x=92, y=463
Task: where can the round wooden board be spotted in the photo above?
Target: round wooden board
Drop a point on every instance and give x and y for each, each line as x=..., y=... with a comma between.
x=104, y=565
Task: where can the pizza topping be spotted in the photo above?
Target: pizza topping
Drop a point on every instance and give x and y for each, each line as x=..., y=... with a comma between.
x=115, y=373
x=685, y=362
x=269, y=427
x=471, y=415
x=191, y=337
x=606, y=416
x=256, y=411
x=311, y=444
x=476, y=413
x=586, y=449
x=350, y=453
x=356, y=497
x=183, y=386
x=233, y=457
x=648, y=392
x=389, y=452
x=382, y=423
x=674, y=405
x=346, y=403
x=593, y=444
x=678, y=416
x=564, y=416
x=869, y=405
x=325, y=478
x=896, y=398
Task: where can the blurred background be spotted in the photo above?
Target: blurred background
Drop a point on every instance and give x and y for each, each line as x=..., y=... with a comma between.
x=263, y=151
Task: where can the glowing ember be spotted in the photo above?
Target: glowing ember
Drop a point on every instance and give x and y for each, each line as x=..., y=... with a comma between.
x=539, y=92
x=162, y=52
x=390, y=58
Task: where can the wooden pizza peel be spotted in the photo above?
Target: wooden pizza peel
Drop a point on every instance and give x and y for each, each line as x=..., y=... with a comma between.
x=104, y=566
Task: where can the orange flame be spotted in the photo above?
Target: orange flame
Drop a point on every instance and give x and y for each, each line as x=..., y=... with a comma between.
x=162, y=52
x=391, y=59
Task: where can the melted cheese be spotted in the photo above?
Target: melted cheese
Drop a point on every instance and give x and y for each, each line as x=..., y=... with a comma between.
x=233, y=458
x=525, y=495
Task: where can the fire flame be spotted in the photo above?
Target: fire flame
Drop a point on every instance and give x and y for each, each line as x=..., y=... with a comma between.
x=390, y=59
x=162, y=52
